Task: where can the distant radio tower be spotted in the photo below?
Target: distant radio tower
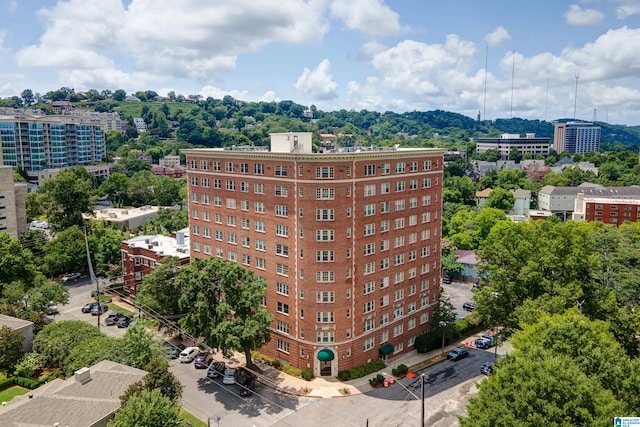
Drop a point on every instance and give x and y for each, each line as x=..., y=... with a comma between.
x=575, y=97
x=546, y=98
x=486, y=63
x=595, y=114
x=513, y=75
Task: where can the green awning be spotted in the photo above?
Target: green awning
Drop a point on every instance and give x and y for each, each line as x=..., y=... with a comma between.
x=326, y=355
x=386, y=349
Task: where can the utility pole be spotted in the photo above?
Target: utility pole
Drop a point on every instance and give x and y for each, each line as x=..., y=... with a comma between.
x=92, y=275
x=422, y=378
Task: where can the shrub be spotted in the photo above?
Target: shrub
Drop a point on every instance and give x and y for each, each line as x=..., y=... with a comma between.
x=362, y=370
x=427, y=342
x=380, y=378
x=26, y=382
x=308, y=374
x=28, y=365
x=277, y=363
x=373, y=382
x=290, y=370
x=402, y=369
x=344, y=375
x=6, y=383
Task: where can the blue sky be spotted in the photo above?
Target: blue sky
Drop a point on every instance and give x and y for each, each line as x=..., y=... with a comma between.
x=398, y=55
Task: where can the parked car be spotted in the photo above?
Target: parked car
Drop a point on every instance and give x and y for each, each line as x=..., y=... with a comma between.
x=469, y=306
x=124, y=322
x=99, y=309
x=188, y=354
x=173, y=350
x=202, y=361
x=247, y=388
x=446, y=279
x=457, y=354
x=70, y=277
x=216, y=369
x=487, y=368
x=88, y=307
x=229, y=376
x=485, y=341
x=52, y=310
x=113, y=318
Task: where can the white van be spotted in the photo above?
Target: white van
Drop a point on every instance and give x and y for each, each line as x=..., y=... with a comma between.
x=188, y=354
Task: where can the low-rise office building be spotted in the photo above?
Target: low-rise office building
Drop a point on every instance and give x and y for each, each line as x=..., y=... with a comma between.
x=509, y=142
x=141, y=255
x=13, y=198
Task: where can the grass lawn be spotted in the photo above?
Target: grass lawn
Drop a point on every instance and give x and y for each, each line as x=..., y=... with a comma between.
x=191, y=419
x=119, y=309
x=11, y=392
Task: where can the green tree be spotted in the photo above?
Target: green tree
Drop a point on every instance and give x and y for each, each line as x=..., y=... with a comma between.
x=459, y=190
x=16, y=263
x=141, y=188
x=138, y=347
x=27, y=97
x=167, y=191
x=158, y=378
x=546, y=391
x=501, y=199
x=105, y=247
x=65, y=253
x=91, y=351
x=158, y=290
x=444, y=318
x=34, y=205
x=515, y=155
x=511, y=179
x=115, y=187
x=119, y=95
x=28, y=365
x=223, y=302
x=148, y=409
x=11, y=345
x=56, y=340
x=68, y=196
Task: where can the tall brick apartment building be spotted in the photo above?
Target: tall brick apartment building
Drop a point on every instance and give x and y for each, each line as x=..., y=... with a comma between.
x=348, y=241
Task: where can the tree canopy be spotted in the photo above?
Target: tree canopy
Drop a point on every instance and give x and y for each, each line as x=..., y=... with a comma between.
x=223, y=302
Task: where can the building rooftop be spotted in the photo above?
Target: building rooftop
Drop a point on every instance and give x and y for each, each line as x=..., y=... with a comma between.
x=110, y=214
x=611, y=201
x=163, y=245
x=620, y=192
x=71, y=402
x=562, y=191
x=13, y=322
x=466, y=257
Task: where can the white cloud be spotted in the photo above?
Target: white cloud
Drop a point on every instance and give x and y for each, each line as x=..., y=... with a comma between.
x=425, y=69
x=369, y=49
x=318, y=83
x=627, y=8
x=371, y=17
x=578, y=16
x=497, y=37
x=13, y=5
x=217, y=93
x=268, y=96
x=187, y=39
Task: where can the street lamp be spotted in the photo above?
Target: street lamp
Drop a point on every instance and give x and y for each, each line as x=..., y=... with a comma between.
x=422, y=385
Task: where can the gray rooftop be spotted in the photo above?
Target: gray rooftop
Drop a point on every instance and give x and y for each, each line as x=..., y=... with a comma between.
x=13, y=322
x=71, y=403
x=562, y=191
x=608, y=192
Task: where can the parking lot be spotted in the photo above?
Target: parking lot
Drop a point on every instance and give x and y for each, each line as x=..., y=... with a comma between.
x=79, y=295
x=458, y=294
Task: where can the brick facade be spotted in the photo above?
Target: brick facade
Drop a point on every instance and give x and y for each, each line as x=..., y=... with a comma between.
x=348, y=243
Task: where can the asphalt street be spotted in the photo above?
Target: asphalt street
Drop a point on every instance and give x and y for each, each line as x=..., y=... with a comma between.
x=449, y=385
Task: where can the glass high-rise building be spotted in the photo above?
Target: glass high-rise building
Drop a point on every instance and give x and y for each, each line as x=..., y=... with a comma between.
x=47, y=142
